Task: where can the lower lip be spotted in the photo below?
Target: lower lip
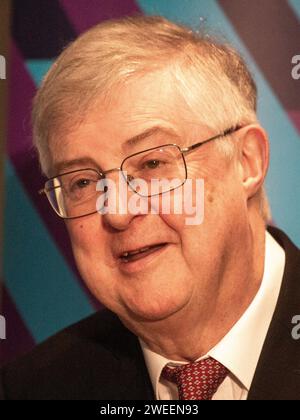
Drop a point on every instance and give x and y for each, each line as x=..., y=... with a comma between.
x=142, y=263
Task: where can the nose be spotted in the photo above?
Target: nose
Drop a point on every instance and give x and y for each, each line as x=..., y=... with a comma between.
x=119, y=209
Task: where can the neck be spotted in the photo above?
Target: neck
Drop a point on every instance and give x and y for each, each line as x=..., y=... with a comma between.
x=209, y=317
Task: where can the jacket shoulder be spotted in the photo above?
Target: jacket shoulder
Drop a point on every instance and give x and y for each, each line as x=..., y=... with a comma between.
x=68, y=364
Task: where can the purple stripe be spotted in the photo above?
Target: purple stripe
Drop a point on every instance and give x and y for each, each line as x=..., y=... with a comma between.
x=21, y=91
x=24, y=159
x=271, y=32
x=84, y=14
x=18, y=338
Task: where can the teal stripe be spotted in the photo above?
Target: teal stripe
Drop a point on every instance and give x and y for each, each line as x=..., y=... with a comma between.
x=38, y=69
x=283, y=181
x=44, y=289
x=295, y=5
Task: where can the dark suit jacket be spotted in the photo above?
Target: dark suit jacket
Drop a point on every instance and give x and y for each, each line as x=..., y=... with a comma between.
x=98, y=358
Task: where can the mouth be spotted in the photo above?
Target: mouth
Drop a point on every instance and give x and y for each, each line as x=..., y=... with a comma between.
x=138, y=254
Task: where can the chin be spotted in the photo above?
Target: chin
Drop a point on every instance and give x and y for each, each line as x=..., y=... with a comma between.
x=154, y=310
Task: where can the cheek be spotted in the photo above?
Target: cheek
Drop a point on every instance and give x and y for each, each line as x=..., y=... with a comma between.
x=219, y=199
x=176, y=222
x=89, y=247
x=77, y=231
x=84, y=234
x=210, y=195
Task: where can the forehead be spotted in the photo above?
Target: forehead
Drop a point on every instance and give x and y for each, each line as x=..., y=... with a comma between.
x=136, y=107
x=150, y=99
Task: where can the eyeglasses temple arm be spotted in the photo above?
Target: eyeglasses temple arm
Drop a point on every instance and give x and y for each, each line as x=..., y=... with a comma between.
x=225, y=133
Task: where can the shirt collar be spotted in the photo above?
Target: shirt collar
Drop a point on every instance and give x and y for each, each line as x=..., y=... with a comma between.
x=241, y=347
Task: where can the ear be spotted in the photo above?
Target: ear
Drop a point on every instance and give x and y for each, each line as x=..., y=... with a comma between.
x=254, y=158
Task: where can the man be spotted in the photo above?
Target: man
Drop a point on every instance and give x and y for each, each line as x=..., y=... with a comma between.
x=194, y=311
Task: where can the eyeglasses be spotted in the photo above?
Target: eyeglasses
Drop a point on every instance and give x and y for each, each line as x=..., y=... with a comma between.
x=74, y=194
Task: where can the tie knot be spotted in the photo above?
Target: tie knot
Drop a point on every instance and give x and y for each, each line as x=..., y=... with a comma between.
x=197, y=380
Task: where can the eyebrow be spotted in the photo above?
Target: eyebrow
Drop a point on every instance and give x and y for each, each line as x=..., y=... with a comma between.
x=139, y=138
x=65, y=165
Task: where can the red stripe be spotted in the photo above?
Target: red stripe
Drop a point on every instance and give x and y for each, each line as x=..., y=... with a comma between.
x=295, y=117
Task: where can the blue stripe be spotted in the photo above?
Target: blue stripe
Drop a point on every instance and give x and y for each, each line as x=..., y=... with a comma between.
x=283, y=181
x=44, y=289
x=38, y=69
x=295, y=5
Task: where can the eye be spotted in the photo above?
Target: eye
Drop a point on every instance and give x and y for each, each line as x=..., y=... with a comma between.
x=80, y=184
x=152, y=164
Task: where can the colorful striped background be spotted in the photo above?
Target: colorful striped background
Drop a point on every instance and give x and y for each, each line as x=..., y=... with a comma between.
x=43, y=292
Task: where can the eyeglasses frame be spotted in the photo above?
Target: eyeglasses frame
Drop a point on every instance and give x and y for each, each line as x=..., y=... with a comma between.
x=102, y=175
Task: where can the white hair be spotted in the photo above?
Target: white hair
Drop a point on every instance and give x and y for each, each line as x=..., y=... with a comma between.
x=210, y=76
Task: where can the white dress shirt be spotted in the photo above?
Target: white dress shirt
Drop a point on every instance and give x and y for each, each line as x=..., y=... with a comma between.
x=240, y=349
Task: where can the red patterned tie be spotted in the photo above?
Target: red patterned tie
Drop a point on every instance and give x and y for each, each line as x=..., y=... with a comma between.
x=198, y=380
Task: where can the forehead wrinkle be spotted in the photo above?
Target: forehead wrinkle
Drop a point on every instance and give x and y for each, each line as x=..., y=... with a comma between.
x=154, y=131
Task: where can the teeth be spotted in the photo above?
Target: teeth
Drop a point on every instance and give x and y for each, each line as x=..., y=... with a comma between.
x=145, y=249
x=126, y=254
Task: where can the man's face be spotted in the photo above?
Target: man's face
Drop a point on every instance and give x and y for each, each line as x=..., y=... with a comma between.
x=188, y=267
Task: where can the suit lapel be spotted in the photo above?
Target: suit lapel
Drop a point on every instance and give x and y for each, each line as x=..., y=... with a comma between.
x=277, y=376
x=133, y=375
x=131, y=378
